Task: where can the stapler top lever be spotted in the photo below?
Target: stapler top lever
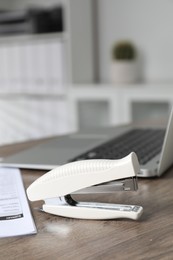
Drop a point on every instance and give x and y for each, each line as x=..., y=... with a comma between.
x=90, y=176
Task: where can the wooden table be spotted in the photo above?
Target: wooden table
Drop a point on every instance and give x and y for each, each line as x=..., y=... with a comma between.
x=60, y=238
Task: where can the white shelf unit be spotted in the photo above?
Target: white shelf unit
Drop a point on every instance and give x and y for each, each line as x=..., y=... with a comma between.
x=36, y=70
x=33, y=64
x=33, y=101
x=102, y=105
x=27, y=117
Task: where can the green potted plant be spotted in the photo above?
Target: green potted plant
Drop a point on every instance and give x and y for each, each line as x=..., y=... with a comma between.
x=123, y=65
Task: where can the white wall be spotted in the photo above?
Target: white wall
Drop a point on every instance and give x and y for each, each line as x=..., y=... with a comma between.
x=149, y=24
x=81, y=42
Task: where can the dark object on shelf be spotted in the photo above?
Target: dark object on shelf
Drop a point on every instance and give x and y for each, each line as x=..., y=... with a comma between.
x=14, y=22
x=33, y=20
x=46, y=20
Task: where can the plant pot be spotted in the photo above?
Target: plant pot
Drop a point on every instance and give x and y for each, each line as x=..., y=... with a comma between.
x=124, y=72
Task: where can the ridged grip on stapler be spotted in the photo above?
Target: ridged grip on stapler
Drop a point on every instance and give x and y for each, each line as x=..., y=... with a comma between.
x=73, y=176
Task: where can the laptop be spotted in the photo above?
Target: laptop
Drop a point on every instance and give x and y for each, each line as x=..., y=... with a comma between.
x=153, y=146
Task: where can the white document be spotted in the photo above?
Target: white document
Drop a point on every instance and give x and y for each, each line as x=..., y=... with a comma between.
x=15, y=214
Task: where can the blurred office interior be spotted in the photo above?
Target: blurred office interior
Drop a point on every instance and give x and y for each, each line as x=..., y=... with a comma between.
x=56, y=65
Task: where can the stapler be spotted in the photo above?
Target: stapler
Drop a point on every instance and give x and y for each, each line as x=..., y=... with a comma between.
x=58, y=186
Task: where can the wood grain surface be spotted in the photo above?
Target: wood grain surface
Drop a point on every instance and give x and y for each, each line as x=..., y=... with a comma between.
x=60, y=238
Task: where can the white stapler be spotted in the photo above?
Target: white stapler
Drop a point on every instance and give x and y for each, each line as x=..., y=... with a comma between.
x=90, y=176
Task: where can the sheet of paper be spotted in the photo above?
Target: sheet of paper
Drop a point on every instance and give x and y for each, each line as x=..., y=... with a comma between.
x=15, y=215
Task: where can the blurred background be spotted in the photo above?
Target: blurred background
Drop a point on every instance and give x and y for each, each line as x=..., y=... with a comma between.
x=69, y=65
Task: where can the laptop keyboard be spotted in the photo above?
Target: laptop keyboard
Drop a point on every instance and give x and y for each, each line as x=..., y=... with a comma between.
x=146, y=143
